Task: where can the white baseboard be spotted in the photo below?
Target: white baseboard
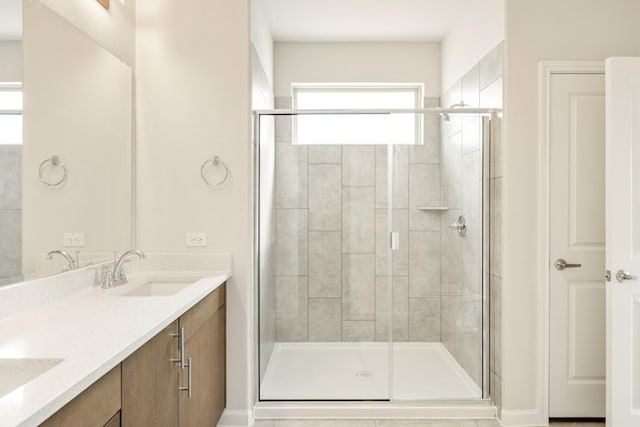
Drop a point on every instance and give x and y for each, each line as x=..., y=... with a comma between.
x=231, y=418
x=522, y=418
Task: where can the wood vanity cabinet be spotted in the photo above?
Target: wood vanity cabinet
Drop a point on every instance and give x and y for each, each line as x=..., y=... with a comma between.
x=204, y=329
x=154, y=387
x=150, y=382
x=97, y=406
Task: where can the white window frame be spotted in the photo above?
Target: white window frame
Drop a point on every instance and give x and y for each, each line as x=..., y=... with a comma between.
x=415, y=88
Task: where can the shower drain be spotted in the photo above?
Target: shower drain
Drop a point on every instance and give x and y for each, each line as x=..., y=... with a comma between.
x=364, y=374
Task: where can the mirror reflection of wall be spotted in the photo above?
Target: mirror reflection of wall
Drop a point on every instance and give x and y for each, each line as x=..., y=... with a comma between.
x=67, y=168
x=10, y=139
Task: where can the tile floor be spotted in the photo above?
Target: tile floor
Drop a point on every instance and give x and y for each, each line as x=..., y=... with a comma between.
x=402, y=423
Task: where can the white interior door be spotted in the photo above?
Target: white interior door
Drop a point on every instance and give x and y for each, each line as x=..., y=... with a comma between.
x=577, y=244
x=623, y=241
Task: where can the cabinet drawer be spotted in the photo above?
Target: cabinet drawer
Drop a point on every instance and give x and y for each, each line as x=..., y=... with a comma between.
x=94, y=407
x=193, y=319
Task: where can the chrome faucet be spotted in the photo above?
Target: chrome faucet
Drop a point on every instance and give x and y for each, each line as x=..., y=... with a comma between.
x=115, y=274
x=72, y=263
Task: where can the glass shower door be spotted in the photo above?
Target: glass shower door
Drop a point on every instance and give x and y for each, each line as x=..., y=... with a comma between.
x=323, y=322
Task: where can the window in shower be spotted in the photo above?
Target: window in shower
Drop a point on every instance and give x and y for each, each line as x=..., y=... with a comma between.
x=357, y=129
x=10, y=114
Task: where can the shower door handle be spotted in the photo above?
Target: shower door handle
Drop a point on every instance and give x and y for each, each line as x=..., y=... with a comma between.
x=394, y=240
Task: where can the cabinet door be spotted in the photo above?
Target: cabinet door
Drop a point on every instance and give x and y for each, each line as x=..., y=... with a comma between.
x=206, y=348
x=93, y=407
x=150, y=382
x=115, y=421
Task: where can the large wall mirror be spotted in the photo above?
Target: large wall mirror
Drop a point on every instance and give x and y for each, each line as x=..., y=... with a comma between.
x=65, y=145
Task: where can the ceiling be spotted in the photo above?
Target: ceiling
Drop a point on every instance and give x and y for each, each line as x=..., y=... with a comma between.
x=10, y=20
x=360, y=20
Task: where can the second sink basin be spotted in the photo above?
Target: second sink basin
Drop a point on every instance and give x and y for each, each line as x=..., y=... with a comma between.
x=15, y=373
x=158, y=288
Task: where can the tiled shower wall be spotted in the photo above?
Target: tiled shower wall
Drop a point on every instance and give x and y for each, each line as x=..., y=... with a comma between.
x=462, y=291
x=10, y=212
x=332, y=237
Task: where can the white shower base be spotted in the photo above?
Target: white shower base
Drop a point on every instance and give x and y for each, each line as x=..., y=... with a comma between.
x=360, y=371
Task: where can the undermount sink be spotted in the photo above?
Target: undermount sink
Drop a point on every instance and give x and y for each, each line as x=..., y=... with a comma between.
x=158, y=288
x=15, y=373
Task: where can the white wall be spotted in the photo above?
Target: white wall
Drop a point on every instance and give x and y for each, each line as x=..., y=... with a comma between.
x=261, y=39
x=357, y=62
x=194, y=101
x=10, y=61
x=478, y=29
x=540, y=30
x=113, y=28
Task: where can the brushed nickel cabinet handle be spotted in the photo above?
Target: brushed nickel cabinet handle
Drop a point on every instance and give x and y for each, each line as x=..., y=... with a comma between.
x=180, y=336
x=188, y=387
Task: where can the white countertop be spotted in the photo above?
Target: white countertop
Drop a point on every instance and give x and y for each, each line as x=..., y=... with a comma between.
x=92, y=330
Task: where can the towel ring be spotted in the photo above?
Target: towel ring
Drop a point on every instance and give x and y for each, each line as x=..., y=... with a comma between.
x=214, y=161
x=55, y=163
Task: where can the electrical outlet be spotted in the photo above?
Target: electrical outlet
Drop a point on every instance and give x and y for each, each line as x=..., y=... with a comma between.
x=74, y=239
x=195, y=239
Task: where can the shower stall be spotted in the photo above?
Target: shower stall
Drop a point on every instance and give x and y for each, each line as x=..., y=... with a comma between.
x=372, y=246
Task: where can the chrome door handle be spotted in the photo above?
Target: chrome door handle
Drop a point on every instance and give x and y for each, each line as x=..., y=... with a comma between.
x=561, y=264
x=622, y=275
x=188, y=387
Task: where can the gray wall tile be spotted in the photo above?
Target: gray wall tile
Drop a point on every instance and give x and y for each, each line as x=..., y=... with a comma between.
x=472, y=192
x=325, y=260
x=324, y=320
x=495, y=247
x=400, y=308
x=358, y=166
x=358, y=220
x=358, y=331
x=283, y=123
x=454, y=171
x=11, y=177
x=424, y=264
x=400, y=177
x=292, y=176
x=451, y=97
x=10, y=243
x=424, y=319
x=358, y=287
x=491, y=66
x=325, y=189
x=292, y=299
x=325, y=154
x=424, y=190
x=292, y=244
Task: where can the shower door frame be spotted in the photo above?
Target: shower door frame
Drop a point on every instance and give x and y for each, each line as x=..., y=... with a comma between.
x=488, y=118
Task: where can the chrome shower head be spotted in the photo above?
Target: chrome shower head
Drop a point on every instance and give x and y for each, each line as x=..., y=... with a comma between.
x=445, y=116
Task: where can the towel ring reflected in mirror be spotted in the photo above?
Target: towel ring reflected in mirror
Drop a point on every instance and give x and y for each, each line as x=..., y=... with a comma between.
x=215, y=161
x=55, y=163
